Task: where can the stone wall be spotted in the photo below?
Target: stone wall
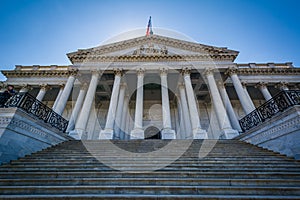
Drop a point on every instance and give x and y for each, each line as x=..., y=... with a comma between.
x=280, y=133
x=22, y=134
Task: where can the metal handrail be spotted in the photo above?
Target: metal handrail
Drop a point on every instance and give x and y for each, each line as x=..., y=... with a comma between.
x=34, y=107
x=280, y=102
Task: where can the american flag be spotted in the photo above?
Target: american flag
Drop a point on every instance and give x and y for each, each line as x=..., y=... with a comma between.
x=149, y=28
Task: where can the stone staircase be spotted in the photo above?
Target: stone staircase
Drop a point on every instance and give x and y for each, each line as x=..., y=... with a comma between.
x=151, y=169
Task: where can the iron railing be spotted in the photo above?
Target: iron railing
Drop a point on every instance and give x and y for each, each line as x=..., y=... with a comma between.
x=34, y=107
x=278, y=103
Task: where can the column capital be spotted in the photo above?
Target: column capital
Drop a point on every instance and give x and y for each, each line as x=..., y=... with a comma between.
x=261, y=85
x=209, y=71
x=231, y=71
x=244, y=84
x=45, y=86
x=95, y=72
x=84, y=86
x=186, y=71
x=26, y=86
x=118, y=72
x=281, y=85
x=140, y=72
x=163, y=71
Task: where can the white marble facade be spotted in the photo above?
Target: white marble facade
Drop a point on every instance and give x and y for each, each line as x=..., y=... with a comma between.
x=183, y=89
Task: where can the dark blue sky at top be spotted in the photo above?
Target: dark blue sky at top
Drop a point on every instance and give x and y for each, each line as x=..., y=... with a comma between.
x=42, y=31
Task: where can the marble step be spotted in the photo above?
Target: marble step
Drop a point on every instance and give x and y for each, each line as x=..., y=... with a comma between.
x=150, y=181
x=151, y=189
x=151, y=174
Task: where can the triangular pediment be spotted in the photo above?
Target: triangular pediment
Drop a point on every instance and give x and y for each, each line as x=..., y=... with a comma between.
x=153, y=46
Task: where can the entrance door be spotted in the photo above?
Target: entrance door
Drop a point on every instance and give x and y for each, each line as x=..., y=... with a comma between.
x=152, y=132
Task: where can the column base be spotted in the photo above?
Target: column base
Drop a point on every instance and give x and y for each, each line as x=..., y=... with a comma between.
x=78, y=134
x=106, y=134
x=228, y=133
x=199, y=134
x=137, y=134
x=168, y=134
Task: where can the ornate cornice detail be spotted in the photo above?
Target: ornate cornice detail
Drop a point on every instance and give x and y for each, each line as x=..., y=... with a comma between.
x=97, y=52
x=269, y=71
x=44, y=73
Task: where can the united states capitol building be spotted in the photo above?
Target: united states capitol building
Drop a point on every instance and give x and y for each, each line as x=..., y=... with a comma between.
x=155, y=87
x=151, y=87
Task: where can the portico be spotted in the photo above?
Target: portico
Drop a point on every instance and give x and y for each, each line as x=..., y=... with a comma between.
x=179, y=89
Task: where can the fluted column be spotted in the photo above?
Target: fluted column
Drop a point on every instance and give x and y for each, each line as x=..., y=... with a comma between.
x=61, y=89
x=229, y=109
x=119, y=111
x=167, y=132
x=40, y=96
x=282, y=85
x=125, y=113
x=246, y=103
x=223, y=120
x=187, y=127
x=77, y=107
x=138, y=132
x=264, y=90
x=59, y=109
x=81, y=122
x=108, y=132
x=198, y=133
x=25, y=88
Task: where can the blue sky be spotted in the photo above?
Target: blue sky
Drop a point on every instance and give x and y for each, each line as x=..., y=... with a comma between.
x=43, y=31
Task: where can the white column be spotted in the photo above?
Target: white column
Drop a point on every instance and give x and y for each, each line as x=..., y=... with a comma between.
x=187, y=132
x=125, y=113
x=244, y=84
x=77, y=107
x=229, y=109
x=245, y=102
x=25, y=88
x=61, y=89
x=223, y=120
x=264, y=90
x=138, y=132
x=118, y=122
x=42, y=92
x=282, y=85
x=108, y=132
x=167, y=132
x=81, y=122
x=59, y=109
x=198, y=133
